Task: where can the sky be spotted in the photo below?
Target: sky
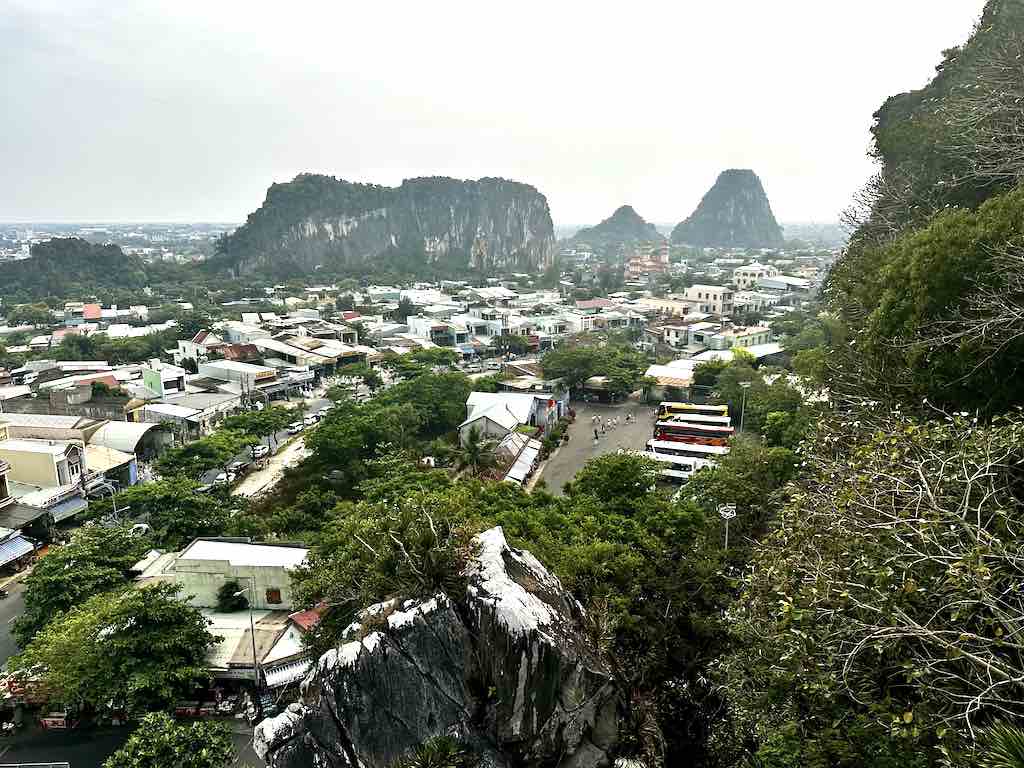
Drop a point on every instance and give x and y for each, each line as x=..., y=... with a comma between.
x=150, y=110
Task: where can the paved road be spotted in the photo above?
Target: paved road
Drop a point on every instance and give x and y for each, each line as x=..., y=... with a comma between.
x=10, y=609
x=564, y=465
x=312, y=405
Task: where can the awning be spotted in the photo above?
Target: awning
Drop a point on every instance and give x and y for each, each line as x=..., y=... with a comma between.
x=67, y=508
x=13, y=548
x=287, y=673
x=524, y=463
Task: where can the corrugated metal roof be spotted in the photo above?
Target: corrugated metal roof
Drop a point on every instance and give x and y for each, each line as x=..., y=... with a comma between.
x=67, y=508
x=14, y=548
x=287, y=673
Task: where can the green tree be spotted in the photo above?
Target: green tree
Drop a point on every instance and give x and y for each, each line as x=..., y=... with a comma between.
x=260, y=423
x=506, y=343
x=231, y=598
x=132, y=649
x=474, y=454
x=176, y=511
x=160, y=742
x=96, y=560
x=215, y=451
x=404, y=309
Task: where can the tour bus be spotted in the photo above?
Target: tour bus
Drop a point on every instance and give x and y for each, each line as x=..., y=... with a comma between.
x=698, y=418
x=676, y=468
x=692, y=450
x=669, y=408
x=689, y=432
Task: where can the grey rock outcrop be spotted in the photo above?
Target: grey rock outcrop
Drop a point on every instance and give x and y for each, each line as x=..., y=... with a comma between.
x=735, y=213
x=319, y=221
x=505, y=667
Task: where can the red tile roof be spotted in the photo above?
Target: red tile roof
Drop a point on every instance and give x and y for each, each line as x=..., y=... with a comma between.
x=92, y=312
x=306, y=620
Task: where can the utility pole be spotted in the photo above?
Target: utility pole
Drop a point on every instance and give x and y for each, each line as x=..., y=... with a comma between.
x=744, y=385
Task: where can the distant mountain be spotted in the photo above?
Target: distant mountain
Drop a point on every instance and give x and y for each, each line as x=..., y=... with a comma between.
x=320, y=221
x=622, y=227
x=734, y=213
x=69, y=267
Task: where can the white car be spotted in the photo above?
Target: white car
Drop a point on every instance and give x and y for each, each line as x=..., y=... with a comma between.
x=225, y=478
x=295, y=427
x=493, y=365
x=260, y=451
x=310, y=420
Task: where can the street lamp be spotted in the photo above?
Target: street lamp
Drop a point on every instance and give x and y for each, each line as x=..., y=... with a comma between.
x=744, y=385
x=113, y=495
x=252, y=633
x=727, y=512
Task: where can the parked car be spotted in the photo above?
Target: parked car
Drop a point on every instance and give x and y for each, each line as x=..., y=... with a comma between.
x=225, y=478
x=295, y=427
x=310, y=419
x=260, y=451
x=473, y=368
x=493, y=365
x=240, y=467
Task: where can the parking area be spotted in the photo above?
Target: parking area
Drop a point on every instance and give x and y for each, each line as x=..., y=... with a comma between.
x=582, y=446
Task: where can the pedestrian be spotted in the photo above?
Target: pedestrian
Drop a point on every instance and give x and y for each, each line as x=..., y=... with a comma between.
x=604, y=427
x=595, y=434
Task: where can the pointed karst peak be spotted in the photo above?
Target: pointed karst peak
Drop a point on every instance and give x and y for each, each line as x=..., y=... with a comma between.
x=623, y=226
x=735, y=212
x=627, y=212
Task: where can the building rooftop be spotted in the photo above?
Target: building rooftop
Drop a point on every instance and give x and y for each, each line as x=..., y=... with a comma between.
x=240, y=553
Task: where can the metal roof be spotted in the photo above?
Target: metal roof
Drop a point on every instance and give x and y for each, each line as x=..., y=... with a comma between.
x=239, y=553
x=68, y=508
x=13, y=548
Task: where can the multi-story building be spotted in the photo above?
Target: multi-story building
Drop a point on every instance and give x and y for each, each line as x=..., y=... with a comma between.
x=713, y=299
x=748, y=275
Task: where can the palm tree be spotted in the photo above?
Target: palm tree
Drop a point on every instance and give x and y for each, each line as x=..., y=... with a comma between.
x=474, y=454
x=440, y=752
x=1002, y=747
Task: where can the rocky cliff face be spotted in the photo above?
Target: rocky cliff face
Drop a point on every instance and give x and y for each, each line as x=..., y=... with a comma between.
x=623, y=227
x=322, y=221
x=504, y=667
x=734, y=213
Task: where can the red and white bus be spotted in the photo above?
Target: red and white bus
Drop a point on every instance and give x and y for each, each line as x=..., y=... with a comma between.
x=689, y=432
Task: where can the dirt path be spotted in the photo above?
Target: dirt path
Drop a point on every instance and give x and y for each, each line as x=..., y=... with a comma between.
x=263, y=480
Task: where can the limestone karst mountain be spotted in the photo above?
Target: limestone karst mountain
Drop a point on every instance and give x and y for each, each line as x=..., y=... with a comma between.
x=735, y=212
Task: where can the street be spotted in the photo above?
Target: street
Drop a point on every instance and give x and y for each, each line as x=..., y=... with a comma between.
x=10, y=609
x=571, y=457
x=312, y=406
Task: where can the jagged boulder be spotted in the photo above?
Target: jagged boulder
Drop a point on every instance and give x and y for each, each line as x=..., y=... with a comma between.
x=505, y=667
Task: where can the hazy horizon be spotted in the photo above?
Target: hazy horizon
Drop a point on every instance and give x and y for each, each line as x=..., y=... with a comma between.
x=187, y=113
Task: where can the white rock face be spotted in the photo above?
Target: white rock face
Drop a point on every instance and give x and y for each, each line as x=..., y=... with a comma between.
x=503, y=666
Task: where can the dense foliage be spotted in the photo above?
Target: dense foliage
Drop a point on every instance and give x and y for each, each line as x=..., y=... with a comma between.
x=96, y=560
x=160, y=742
x=68, y=267
x=131, y=650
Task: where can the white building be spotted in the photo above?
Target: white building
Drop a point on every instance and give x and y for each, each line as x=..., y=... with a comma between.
x=205, y=565
x=713, y=299
x=748, y=275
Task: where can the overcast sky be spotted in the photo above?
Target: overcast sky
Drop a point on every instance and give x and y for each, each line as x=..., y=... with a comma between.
x=188, y=110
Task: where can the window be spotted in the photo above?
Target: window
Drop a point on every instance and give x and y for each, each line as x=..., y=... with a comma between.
x=273, y=596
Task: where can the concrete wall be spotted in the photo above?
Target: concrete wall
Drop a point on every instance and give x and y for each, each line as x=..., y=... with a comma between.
x=203, y=578
x=30, y=467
